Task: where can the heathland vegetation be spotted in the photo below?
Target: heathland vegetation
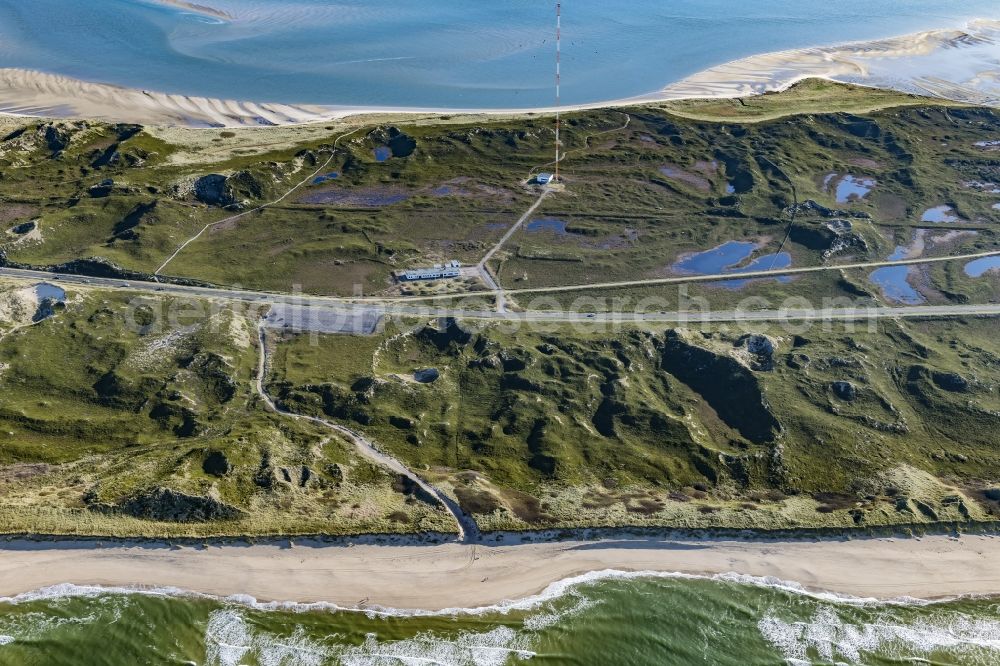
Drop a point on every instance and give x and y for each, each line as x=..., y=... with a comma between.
x=117, y=420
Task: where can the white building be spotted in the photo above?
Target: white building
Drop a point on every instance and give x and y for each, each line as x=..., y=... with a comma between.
x=543, y=178
x=451, y=269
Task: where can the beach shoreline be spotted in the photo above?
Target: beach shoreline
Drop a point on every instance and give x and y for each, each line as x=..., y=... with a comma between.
x=448, y=577
x=877, y=64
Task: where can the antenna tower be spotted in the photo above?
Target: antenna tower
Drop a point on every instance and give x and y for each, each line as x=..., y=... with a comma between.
x=558, y=58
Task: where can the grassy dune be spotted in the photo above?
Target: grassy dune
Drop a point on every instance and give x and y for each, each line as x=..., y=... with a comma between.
x=811, y=96
x=110, y=400
x=563, y=427
x=680, y=178
x=117, y=419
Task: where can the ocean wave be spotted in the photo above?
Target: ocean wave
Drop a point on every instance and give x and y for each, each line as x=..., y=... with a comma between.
x=843, y=627
x=230, y=638
x=834, y=639
x=556, y=590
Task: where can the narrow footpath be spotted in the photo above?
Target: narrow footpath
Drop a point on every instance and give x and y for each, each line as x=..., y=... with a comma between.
x=468, y=531
x=322, y=167
x=484, y=271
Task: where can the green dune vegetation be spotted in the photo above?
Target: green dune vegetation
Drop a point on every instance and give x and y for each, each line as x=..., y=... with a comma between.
x=113, y=424
x=673, y=427
x=117, y=420
x=120, y=199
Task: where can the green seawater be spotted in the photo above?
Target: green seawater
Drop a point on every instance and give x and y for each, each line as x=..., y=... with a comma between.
x=609, y=620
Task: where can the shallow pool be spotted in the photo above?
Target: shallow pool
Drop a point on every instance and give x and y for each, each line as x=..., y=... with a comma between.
x=894, y=280
x=333, y=175
x=382, y=153
x=980, y=267
x=45, y=290
x=547, y=224
x=716, y=260
x=851, y=188
x=726, y=259
x=939, y=214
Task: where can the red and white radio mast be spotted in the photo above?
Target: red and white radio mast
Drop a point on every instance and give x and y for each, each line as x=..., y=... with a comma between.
x=558, y=58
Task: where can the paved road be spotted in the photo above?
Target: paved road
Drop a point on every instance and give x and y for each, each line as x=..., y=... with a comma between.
x=716, y=277
x=367, y=310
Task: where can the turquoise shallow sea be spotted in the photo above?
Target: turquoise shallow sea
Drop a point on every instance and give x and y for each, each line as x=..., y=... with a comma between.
x=621, y=619
x=433, y=53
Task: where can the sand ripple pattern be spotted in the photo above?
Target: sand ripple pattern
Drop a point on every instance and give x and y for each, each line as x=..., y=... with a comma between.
x=960, y=65
x=25, y=92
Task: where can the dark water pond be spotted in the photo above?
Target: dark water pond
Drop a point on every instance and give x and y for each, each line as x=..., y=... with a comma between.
x=894, y=280
x=547, y=224
x=726, y=258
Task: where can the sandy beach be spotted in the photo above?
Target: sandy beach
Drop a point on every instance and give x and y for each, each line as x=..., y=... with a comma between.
x=951, y=64
x=460, y=576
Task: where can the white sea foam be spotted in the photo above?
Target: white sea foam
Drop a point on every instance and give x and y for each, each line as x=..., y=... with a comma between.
x=72, y=590
x=553, y=591
x=830, y=637
x=229, y=639
x=226, y=638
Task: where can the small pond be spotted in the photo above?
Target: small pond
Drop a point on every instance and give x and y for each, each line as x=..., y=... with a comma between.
x=894, y=280
x=547, y=224
x=939, y=214
x=980, y=267
x=726, y=259
x=333, y=175
x=45, y=290
x=716, y=260
x=851, y=188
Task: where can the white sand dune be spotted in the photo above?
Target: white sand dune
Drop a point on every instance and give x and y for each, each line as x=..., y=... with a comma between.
x=461, y=576
x=962, y=65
